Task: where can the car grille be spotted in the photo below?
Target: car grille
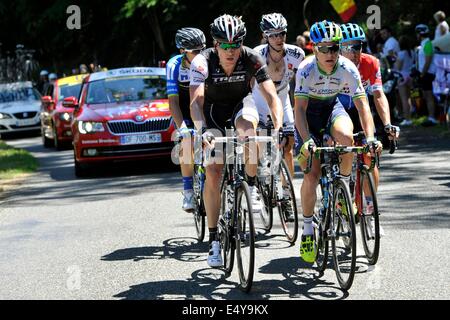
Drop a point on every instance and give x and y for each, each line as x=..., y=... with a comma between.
x=129, y=126
x=25, y=115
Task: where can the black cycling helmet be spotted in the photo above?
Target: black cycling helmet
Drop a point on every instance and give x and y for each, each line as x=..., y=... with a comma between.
x=228, y=28
x=190, y=39
x=273, y=22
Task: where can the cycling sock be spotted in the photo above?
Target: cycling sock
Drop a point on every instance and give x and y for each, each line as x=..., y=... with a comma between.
x=307, y=226
x=213, y=235
x=251, y=180
x=188, y=183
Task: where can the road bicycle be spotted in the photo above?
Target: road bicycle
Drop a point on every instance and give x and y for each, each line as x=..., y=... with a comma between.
x=236, y=225
x=333, y=218
x=276, y=187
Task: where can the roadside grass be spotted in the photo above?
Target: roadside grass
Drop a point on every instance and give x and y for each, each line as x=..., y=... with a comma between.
x=15, y=163
x=438, y=130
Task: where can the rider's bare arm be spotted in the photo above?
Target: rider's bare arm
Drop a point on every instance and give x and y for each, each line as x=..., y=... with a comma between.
x=174, y=106
x=197, y=94
x=382, y=106
x=270, y=94
x=365, y=116
x=301, y=104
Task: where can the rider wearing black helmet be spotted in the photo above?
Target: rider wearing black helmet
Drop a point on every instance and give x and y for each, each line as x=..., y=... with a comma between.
x=220, y=89
x=190, y=41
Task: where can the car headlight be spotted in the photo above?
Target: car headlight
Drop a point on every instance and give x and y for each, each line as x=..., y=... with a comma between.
x=5, y=116
x=64, y=116
x=90, y=127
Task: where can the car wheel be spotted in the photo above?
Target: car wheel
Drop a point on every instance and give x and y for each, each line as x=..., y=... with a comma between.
x=48, y=143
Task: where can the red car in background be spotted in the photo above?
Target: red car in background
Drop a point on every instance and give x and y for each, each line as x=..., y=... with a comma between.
x=55, y=118
x=121, y=114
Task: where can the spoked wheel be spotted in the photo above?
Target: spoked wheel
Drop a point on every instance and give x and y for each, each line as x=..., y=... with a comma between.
x=245, y=237
x=320, y=232
x=199, y=210
x=370, y=219
x=266, y=213
x=225, y=232
x=343, y=240
x=286, y=203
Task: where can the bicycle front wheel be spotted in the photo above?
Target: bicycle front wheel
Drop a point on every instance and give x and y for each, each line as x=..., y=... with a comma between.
x=266, y=214
x=245, y=237
x=370, y=219
x=343, y=240
x=286, y=203
x=199, y=209
x=320, y=227
x=226, y=228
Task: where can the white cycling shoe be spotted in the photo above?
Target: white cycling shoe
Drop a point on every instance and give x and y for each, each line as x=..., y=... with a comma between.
x=215, y=255
x=255, y=199
x=188, y=201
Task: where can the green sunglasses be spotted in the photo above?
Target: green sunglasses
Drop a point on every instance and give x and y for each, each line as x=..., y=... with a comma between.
x=228, y=46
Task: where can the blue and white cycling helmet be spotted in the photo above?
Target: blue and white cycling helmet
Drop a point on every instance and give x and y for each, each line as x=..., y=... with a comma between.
x=52, y=76
x=325, y=31
x=351, y=31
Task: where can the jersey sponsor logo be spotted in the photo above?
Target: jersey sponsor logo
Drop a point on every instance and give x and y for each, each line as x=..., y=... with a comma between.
x=184, y=77
x=290, y=66
x=230, y=79
x=257, y=65
x=200, y=69
x=293, y=53
x=323, y=91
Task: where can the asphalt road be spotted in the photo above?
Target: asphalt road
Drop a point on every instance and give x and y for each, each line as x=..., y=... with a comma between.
x=122, y=235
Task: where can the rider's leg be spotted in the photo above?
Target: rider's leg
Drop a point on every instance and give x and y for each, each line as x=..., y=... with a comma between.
x=289, y=155
x=211, y=193
x=342, y=133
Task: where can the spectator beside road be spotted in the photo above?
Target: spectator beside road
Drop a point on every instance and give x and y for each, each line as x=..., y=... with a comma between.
x=442, y=27
x=403, y=64
x=391, y=46
x=308, y=44
x=427, y=70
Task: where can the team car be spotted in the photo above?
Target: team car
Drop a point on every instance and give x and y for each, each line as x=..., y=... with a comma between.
x=121, y=114
x=55, y=118
x=19, y=108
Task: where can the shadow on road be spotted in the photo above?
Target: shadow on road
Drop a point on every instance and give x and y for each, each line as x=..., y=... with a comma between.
x=299, y=280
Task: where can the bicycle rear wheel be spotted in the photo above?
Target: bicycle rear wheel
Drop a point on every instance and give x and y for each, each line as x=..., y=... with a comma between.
x=199, y=209
x=320, y=227
x=343, y=240
x=370, y=223
x=225, y=230
x=245, y=237
x=286, y=203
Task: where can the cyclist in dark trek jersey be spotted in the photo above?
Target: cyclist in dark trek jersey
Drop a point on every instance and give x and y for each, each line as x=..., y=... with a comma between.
x=320, y=78
x=220, y=89
x=190, y=41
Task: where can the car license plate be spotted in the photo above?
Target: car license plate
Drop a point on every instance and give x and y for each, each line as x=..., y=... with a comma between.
x=140, y=138
x=26, y=122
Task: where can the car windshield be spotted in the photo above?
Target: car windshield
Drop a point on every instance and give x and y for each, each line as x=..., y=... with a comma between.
x=20, y=94
x=72, y=90
x=123, y=89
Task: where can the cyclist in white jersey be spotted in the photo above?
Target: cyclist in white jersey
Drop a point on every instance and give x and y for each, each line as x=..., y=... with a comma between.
x=282, y=63
x=320, y=78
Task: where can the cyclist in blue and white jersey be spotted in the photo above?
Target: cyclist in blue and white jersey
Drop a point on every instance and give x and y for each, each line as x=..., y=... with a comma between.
x=190, y=41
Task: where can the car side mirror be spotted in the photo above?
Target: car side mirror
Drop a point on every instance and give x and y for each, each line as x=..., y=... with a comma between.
x=48, y=103
x=70, y=102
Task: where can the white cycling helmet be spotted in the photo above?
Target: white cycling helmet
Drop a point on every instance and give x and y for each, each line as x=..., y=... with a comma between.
x=273, y=23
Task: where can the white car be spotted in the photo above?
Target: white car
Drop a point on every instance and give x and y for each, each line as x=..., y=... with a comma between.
x=20, y=107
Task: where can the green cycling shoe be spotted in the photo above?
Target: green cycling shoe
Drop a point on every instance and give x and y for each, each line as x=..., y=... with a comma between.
x=308, y=249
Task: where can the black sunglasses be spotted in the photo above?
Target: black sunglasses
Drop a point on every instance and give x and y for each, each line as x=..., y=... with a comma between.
x=351, y=47
x=327, y=49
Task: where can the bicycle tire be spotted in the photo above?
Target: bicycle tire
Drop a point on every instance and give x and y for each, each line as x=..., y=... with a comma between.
x=342, y=199
x=244, y=231
x=225, y=232
x=290, y=228
x=371, y=255
x=320, y=227
x=266, y=214
x=199, y=209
